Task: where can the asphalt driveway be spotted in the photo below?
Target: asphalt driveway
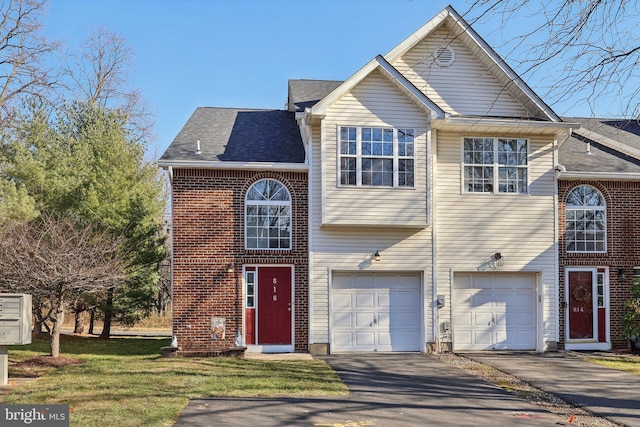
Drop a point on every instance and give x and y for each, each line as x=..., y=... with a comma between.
x=386, y=390
x=607, y=392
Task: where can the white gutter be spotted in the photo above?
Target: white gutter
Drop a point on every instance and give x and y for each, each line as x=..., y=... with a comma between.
x=606, y=176
x=498, y=122
x=204, y=164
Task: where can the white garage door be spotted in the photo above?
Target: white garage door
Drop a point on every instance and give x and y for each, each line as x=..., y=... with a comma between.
x=494, y=312
x=376, y=312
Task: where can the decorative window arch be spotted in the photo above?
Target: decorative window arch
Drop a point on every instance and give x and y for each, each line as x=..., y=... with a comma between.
x=267, y=216
x=586, y=220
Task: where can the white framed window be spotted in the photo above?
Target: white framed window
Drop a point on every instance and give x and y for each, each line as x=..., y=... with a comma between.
x=376, y=156
x=268, y=216
x=495, y=165
x=250, y=279
x=586, y=220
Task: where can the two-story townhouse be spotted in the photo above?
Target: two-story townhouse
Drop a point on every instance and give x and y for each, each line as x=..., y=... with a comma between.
x=599, y=231
x=411, y=207
x=239, y=232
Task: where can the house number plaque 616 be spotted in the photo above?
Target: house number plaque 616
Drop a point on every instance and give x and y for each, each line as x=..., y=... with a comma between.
x=275, y=290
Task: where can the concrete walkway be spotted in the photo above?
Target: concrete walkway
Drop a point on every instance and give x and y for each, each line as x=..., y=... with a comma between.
x=609, y=393
x=386, y=390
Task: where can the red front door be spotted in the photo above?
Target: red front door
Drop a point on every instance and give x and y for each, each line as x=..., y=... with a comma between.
x=274, y=305
x=580, y=297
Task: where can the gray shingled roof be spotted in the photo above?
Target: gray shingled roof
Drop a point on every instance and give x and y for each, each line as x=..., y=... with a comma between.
x=238, y=135
x=306, y=93
x=573, y=154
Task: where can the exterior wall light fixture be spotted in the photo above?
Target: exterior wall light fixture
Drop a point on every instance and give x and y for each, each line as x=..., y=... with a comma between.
x=230, y=268
x=376, y=256
x=622, y=273
x=497, y=259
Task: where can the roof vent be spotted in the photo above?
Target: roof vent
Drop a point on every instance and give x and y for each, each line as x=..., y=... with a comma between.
x=445, y=56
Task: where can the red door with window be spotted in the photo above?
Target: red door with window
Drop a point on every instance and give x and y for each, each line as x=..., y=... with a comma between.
x=580, y=297
x=274, y=305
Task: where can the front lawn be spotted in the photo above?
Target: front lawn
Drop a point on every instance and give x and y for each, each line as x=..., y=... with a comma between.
x=623, y=363
x=125, y=381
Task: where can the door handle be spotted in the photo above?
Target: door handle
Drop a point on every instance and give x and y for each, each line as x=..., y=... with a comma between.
x=375, y=321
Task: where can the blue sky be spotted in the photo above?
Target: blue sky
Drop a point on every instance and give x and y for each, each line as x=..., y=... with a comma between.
x=240, y=53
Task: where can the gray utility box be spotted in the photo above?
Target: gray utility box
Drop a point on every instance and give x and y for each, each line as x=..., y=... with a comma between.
x=15, y=319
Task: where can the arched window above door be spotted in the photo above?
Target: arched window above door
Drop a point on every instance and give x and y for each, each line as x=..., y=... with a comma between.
x=586, y=220
x=268, y=216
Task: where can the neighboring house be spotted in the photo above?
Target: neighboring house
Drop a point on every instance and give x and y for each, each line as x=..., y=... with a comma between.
x=412, y=207
x=599, y=231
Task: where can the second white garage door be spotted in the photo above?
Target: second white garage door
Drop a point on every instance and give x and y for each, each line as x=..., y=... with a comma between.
x=376, y=312
x=494, y=311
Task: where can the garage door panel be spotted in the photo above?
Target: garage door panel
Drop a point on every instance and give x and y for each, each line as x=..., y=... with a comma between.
x=482, y=299
x=483, y=337
x=365, y=300
x=385, y=315
x=343, y=320
x=364, y=319
x=463, y=319
x=365, y=339
x=495, y=311
x=482, y=318
x=342, y=300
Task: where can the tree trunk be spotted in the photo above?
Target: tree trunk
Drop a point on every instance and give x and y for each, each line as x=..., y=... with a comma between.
x=92, y=320
x=79, y=323
x=108, y=314
x=54, y=341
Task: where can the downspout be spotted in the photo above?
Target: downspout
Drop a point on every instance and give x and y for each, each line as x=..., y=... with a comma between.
x=434, y=239
x=558, y=169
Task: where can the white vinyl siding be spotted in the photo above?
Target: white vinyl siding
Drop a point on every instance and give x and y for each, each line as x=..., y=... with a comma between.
x=375, y=102
x=373, y=214
x=464, y=88
x=471, y=227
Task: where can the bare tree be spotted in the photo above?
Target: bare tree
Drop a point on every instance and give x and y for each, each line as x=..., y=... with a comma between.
x=56, y=259
x=587, y=51
x=99, y=74
x=23, y=54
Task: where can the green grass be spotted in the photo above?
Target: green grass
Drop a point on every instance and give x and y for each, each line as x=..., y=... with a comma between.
x=125, y=381
x=622, y=363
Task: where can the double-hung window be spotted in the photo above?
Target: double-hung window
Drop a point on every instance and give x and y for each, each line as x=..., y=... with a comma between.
x=495, y=165
x=375, y=156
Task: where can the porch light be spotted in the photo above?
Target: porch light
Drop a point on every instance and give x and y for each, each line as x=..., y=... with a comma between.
x=376, y=256
x=622, y=273
x=230, y=268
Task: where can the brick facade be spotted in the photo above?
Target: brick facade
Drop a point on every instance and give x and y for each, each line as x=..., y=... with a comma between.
x=623, y=248
x=208, y=238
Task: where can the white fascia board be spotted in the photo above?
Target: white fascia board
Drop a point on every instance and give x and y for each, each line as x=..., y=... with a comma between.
x=469, y=32
x=609, y=142
x=319, y=110
x=417, y=37
x=404, y=85
x=478, y=123
x=604, y=176
x=203, y=164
